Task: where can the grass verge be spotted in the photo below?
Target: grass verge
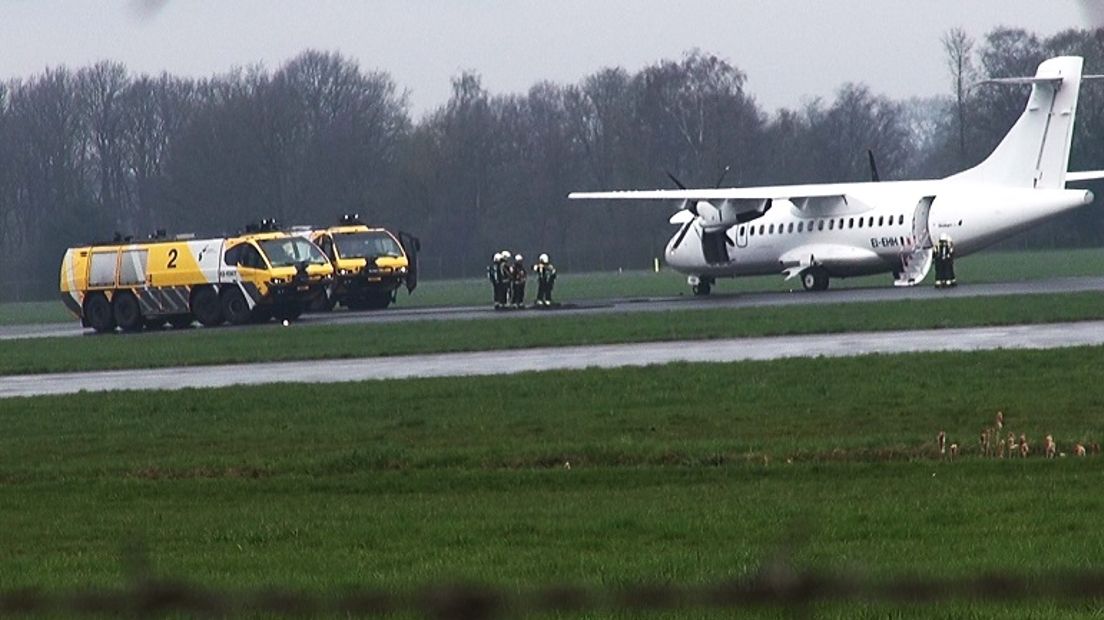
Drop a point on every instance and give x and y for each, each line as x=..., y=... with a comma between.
x=679, y=473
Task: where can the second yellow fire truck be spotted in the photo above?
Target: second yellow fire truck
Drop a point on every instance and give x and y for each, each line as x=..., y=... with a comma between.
x=370, y=264
x=250, y=277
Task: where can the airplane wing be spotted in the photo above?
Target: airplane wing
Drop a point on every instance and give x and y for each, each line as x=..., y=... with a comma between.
x=779, y=192
x=723, y=207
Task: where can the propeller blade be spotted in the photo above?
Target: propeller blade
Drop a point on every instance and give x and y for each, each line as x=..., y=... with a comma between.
x=721, y=178
x=686, y=204
x=873, y=166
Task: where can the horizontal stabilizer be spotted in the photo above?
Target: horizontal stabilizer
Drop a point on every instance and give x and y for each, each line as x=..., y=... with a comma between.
x=1052, y=80
x=1086, y=175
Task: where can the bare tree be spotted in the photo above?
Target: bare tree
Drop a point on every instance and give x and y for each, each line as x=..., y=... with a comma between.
x=959, y=47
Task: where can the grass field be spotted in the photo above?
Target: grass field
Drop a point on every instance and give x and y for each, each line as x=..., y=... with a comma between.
x=304, y=342
x=983, y=267
x=679, y=473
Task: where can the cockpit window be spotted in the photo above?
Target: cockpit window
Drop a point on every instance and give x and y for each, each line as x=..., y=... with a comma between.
x=371, y=244
x=288, y=251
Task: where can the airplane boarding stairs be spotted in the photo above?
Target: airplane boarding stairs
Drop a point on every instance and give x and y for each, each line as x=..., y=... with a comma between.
x=916, y=259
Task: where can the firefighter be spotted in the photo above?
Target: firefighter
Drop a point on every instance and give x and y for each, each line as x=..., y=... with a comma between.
x=517, y=279
x=498, y=288
x=504, y=271
x=944, y=262
x=546, y=278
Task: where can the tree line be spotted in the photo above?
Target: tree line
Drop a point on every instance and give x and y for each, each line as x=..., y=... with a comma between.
x=87, y=153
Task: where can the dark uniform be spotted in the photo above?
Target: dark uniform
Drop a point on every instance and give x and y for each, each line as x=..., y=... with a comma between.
x=505, y=273
x=546, y=278
x=517, y=278
x=498, y=287
x=944, y=263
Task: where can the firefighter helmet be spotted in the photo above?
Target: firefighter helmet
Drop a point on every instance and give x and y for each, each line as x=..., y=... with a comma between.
x=543, y=259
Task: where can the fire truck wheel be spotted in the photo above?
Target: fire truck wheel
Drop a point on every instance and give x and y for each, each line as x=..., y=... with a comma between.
x=206, y=307
x=183, y=321
x=261, y=314
x=321, y=302
x=288, y=312
x=97, y=311
x=234, y=306
x=128, y=315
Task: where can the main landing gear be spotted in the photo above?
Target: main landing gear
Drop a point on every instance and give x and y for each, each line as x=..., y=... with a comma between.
x=815, y=279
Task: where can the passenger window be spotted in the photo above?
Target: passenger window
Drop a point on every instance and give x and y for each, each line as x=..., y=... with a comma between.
x=820, y=225
x=800, y=226
x=901, y=219
x=231, y=257
x=751, y=231
x=831, y=224
x=741, y=233
x=851, y=223
x=762, y=229
x=770, y=231
x=870, y=222
x=880, y=221
x=251, y=258
x=789, y=228
x=860, y=222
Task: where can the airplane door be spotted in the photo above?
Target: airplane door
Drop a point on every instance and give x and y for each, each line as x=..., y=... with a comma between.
x=741, y=235
x=921, y=235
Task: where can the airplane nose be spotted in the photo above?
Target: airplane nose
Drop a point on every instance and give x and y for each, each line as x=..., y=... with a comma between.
x=1089, y=197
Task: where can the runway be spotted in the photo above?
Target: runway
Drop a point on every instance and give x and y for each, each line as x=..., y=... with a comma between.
x=1043, y=336
x=649, y=304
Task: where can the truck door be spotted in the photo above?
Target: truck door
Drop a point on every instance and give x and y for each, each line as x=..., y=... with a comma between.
x=411, y=245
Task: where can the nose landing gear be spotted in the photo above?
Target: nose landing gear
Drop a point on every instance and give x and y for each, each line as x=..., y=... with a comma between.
x=701, y=285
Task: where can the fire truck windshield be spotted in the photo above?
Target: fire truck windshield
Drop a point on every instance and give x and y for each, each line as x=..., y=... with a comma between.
x=367, y=245
x=291, y=250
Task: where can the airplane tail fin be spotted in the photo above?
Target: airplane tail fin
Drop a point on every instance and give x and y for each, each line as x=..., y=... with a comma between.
x=1035, y=152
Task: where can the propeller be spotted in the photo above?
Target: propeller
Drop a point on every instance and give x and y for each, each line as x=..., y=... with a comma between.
x=686, y=205
x=873, y=166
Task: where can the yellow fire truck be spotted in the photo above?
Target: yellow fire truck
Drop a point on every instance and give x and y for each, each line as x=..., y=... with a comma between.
x=370, y=264
x=251, y=277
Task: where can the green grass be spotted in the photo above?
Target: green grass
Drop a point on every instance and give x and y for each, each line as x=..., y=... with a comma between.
x=680, y=473
x=983, y=267
x=305, y=342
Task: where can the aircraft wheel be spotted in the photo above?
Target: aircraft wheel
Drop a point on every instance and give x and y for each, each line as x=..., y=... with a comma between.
x=234, y=306
x=127, y=313
x=206, y=307
x=702, y=289
x=814, y=279
x=98, y=313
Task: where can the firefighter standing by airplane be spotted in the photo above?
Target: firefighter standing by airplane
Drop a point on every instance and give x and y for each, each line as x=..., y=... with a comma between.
x=498, y=285
x=944, y=262
x=503, y=275
x=518, y=276
x=546, y=278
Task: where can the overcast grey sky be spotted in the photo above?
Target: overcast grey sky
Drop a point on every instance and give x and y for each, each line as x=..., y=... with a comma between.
x=790, y=49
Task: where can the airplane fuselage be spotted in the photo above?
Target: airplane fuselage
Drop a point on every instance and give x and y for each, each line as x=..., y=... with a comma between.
x=870, y=232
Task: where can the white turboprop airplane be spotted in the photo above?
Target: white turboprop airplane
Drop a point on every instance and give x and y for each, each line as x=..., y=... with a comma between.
x=820, y=231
